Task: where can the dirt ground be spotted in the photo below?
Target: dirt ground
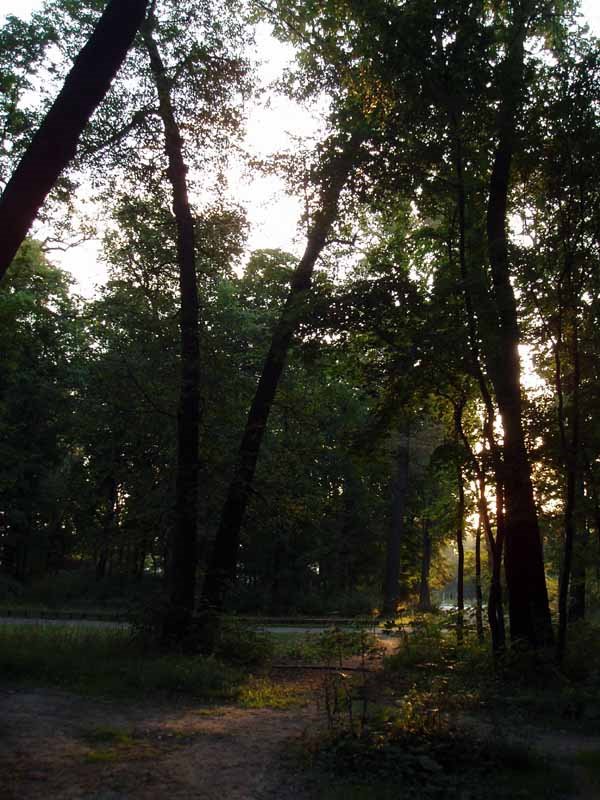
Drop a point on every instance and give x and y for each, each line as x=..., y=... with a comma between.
x=58, y=745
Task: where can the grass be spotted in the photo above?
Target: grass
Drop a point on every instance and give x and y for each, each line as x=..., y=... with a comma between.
x=109, y=662
x=104, y=735
x=114, y=745
x=331, y=646
x=265, y=693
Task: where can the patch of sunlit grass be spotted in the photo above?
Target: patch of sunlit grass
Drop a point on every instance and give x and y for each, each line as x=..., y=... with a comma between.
x=264, y=693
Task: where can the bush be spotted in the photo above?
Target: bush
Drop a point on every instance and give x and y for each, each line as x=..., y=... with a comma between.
x=241, y=645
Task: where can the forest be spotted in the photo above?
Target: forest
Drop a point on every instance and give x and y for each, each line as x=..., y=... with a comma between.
x=390, y=427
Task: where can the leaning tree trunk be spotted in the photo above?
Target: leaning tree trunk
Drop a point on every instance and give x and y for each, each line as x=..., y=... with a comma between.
x=55, y=143
x=529, y=610
x=183, y=549
x=391, y=586
x=222, y=565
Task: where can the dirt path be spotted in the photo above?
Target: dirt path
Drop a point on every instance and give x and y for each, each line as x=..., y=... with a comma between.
x=55, y=745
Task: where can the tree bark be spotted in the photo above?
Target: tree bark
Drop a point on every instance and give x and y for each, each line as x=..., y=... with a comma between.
x=460, y=526
x=391, y=587
x=460, y=546
x=55, y=143
x=478, y=592
x=529, y=610
x=222, y=566
x=183, y=549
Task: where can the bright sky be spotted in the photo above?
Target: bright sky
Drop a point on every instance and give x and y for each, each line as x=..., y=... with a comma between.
x=273, y=214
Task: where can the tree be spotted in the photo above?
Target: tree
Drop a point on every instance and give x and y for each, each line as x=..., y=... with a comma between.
x=182, y=569
x=556, y=277
x=338, y=165
x=55, y=143
x=40, y=332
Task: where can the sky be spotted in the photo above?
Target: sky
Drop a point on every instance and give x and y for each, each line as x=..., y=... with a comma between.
x=273, y=214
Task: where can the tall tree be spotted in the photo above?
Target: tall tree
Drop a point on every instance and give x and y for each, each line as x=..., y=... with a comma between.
x=341, y=161
x=182, y=567
x=528, y=597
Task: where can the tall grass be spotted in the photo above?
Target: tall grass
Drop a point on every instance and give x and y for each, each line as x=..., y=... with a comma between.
x=101, y=661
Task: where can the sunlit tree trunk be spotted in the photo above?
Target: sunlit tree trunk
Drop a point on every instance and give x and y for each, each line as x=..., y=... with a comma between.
x=391, y=588
x=460, y=547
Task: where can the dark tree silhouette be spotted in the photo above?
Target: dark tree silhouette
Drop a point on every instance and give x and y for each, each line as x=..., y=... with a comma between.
x=55, y=143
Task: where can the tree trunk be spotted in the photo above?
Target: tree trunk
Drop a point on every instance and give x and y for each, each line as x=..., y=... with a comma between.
x=577, y=588
x=495, y=545
x=460, y=546
x=478, y=592
x=391, y=587
x=571, y=458
x=222, y=566
x=496, y=599
x=55, y=143
x=183, y=550
x=108, y=526
x=424, y=591
x=459, y=406
x=529, y=611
